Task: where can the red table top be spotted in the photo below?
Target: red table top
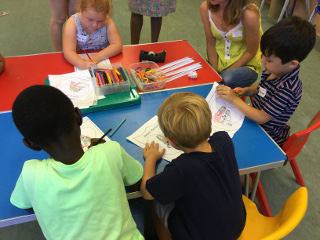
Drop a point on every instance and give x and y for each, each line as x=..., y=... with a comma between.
x=24, y=71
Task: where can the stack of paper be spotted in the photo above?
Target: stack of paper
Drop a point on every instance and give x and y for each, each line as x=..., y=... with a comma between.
x=78, y=86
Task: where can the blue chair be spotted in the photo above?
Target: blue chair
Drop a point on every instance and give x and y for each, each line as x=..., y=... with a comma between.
x=315, y=11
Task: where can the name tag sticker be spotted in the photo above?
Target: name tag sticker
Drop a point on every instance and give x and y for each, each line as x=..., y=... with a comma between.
x=82, y=38
x=237, y=34
x=262, y=92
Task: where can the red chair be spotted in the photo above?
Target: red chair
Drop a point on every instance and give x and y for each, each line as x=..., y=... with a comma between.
x=295, y=143
x=292, y=147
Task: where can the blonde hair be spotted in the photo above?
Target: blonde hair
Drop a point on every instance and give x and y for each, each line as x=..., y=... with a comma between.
x=103, y=6
x=185, y=118
x=233, y=11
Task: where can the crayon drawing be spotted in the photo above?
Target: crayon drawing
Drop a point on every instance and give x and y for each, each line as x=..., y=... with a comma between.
x=151, y=131
x=76, y=88
x=225, y=117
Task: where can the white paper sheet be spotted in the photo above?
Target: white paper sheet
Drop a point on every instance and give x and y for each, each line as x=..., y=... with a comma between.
x=104, y=64
x=78, y=86
x=90, y=130
x=225, y=117
x=151, y=131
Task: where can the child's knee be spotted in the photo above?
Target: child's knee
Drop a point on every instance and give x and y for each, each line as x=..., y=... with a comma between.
x=228, y=79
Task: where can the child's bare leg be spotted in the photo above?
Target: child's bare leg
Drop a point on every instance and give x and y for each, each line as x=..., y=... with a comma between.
x=59, y=15
x=156, y=23
x=163, y=233
x=136, y=23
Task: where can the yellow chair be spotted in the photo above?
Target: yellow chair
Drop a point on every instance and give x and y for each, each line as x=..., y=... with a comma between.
x=260, y=227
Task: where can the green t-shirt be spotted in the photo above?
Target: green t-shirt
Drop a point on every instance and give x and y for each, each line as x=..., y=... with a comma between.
x=86, y=200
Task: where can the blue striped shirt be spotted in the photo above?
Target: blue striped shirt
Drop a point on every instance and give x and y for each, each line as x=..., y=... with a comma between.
x=279, y=98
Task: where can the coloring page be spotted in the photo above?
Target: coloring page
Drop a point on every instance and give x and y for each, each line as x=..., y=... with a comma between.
x=225, y=117
x=78, y=86
x=104, y=64
x=151, y=131
x=90, y=130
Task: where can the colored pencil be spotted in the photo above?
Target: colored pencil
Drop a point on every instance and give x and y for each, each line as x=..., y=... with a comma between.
x=87, y=54
x=117, y=127
x=124, y=77
x=97, y=142
x=109, y=78
x=113, y=77
x=99, y=77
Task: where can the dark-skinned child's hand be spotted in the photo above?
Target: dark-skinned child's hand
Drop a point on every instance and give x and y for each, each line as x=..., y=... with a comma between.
x=94, y=140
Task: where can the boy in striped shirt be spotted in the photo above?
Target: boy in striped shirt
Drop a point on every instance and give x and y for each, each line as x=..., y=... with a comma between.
x=278, y=94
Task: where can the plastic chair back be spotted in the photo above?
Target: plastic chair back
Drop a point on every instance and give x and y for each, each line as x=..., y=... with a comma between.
x=296, y=141
x=260, y=227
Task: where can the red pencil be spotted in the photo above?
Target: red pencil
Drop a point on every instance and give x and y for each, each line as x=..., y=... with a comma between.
x=87, y=54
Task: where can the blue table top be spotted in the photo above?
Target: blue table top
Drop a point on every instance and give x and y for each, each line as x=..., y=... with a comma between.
x=255, y=150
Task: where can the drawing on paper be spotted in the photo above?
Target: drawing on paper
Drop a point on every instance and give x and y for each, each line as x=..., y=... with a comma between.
x=85, y=141
x=89, y=130
x=225, y=117
x=151, y=131
x=76, y=88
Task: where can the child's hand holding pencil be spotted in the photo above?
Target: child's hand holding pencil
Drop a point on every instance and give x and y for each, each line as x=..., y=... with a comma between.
x=87, y=65
x=94, y=58
x=96, y=141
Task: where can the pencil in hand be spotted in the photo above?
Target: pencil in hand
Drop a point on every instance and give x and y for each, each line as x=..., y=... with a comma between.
x=100, y=139
x=87, y=54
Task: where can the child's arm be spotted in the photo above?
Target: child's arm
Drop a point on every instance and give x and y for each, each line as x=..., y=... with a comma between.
x=152, y=155
x=135, y=187
x=251, y=22
x=259, y=116
x=115, y=41
x=70, y=46
x=211, y=41
x=250, y=91
x=2, y=64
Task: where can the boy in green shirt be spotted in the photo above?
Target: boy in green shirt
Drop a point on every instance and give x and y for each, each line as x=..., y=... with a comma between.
x=75, y=195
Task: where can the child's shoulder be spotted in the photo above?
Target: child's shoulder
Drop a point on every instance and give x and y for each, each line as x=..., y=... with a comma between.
x=251, y=13
x=34, y=167
x=108, y=146
x=220, y=138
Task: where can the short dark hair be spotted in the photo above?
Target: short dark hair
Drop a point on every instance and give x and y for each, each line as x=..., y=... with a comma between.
x=42, y=114
x=290, y=39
